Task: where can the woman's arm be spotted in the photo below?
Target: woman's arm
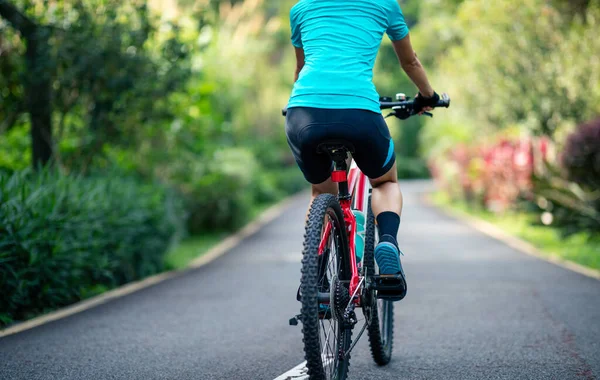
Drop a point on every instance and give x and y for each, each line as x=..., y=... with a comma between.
x=412, y=66
x=299, y=62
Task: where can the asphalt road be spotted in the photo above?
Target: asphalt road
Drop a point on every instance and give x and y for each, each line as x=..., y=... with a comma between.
x=476, y=309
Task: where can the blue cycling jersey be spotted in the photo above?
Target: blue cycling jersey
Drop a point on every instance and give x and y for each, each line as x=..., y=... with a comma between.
x=341, y=39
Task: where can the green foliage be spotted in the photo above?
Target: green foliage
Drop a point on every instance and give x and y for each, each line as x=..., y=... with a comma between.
x=219, y=197
x=225, y=149
x=11, y=73
x=289, y=180
x=518, y=68
x=567, y=205
x=112, y=65
x=412, y=168
x=65, y=238
x=522, y=64
x=15, y=146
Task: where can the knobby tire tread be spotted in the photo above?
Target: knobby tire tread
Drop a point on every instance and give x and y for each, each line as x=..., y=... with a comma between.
x=381, y=354
x=309, y=284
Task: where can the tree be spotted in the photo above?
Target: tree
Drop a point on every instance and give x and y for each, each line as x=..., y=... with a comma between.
x=38, y=88
x=96, y=74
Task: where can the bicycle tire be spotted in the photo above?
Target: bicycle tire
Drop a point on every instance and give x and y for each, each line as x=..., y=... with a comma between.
x=381, y=342
x=324, y=207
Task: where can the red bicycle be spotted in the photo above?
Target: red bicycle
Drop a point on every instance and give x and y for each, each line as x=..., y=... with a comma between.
x=335, y=279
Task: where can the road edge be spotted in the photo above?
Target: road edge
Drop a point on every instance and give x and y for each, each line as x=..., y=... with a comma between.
x=512, y=241
x=212, y=254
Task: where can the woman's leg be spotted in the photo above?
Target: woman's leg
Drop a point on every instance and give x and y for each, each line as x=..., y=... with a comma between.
x=386, y=195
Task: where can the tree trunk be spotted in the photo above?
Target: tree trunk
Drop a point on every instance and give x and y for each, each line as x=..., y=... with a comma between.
x=38, y=97
x=38, y=86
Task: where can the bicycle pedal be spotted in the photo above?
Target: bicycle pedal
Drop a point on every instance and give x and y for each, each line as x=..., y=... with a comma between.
x=390, y=287
x=294, y=320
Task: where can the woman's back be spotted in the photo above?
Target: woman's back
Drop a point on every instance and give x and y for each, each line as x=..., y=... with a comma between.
x=341, y=39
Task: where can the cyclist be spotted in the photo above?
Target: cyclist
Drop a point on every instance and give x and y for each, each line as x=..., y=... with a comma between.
x=336, y=43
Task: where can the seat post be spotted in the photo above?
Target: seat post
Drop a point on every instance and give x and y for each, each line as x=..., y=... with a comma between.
x=341, y=166
x=338, y=151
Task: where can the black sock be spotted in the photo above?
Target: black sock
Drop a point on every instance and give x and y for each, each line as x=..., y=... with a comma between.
x=388, y=223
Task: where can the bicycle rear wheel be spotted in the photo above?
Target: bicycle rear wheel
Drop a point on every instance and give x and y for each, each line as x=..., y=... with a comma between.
x=379, y=313
x=325, y=338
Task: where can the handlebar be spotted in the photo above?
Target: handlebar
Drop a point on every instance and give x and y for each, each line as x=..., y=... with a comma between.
x=387, y=103
x=402, y=108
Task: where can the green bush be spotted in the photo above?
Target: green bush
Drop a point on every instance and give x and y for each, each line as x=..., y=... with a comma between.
x=219, y=195
x=64, y=238
x=290, y=180
x=412, y=168
x=566, y=205
x=266, y=188
x=544, y=82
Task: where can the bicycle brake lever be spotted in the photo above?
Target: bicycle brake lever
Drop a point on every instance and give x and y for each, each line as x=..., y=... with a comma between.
x=390, y=114
x=427, y=114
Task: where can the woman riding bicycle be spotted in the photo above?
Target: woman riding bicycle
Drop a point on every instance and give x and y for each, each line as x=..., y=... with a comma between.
x=336, y=43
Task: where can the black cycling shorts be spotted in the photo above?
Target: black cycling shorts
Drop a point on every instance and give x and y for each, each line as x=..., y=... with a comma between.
x=306, y=128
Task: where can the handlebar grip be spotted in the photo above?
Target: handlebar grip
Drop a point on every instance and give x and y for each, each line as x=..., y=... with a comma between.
x=444, y=101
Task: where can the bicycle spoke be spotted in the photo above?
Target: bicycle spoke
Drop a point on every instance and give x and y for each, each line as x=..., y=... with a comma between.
x=326, y=345
x=328, y=351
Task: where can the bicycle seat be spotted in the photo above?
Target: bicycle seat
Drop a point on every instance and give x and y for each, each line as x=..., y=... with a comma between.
x=337, y=149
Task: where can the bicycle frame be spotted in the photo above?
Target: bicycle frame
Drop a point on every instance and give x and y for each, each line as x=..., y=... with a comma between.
x=354, y=194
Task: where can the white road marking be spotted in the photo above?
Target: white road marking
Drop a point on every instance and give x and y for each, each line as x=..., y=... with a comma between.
x=299, y=372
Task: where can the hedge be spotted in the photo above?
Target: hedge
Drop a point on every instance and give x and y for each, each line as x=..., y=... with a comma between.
x=64, y=238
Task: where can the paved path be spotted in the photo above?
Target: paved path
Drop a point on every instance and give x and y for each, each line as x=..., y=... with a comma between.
x=476, y=309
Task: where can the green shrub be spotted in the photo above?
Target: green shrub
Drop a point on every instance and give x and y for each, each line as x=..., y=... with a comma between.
x=64, y=238
x=290, y=180
x=412, y=168
x=266, y=188
x=219, y=195
x=566, y=205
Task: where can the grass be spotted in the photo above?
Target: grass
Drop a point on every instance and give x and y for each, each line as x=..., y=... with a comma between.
x=185, y=252
x=576, y=248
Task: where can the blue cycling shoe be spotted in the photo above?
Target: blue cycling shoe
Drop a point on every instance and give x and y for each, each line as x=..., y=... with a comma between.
x=391, y=282
x=387, y=255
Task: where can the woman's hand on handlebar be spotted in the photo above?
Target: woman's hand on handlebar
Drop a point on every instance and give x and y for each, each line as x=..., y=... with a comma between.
x=423, y=104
